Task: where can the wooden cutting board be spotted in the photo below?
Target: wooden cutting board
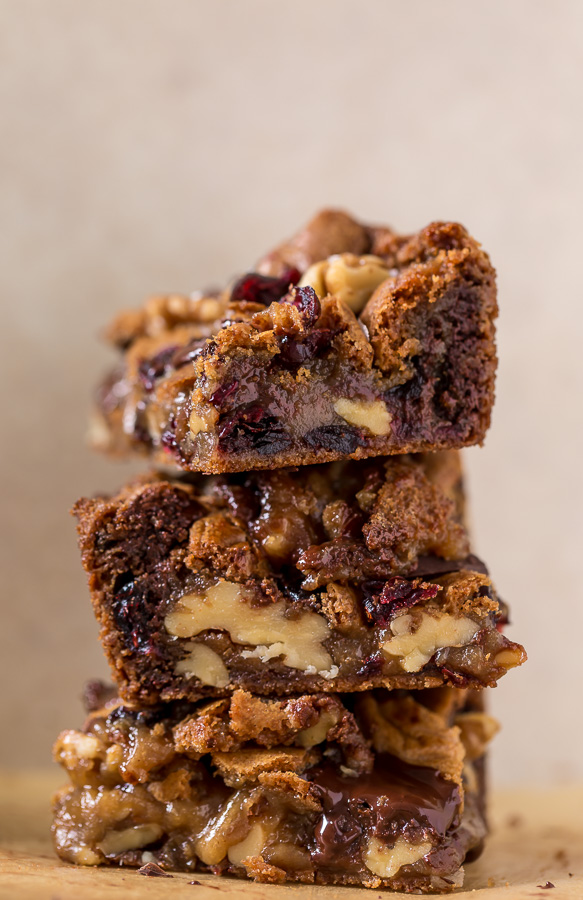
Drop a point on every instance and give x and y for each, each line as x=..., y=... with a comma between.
x=537, y=837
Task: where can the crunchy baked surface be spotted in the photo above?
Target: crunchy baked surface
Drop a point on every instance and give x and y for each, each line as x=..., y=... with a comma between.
x=388, y=792
x=352, y=342
x=340, y=577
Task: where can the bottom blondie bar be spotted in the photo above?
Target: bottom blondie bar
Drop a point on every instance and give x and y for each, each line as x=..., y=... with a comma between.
x=382, y=788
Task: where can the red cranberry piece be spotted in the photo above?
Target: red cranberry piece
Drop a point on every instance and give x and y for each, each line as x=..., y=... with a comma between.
x=305, y=299
x=294, y=352
x=130, y=616
x=397, y=593
x=255, y=288
x=455, y=678
x=339, y=438
x=245, y=417
x=253, y=429
x=223, y=392
x=139, y=430
x=168, y=439
x=371, y=666
x=502, y=619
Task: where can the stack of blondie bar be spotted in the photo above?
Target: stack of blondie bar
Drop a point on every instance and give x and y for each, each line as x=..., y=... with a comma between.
x=297, y=629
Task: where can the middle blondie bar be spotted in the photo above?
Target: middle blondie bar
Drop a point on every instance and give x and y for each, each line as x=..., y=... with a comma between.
x=341, y=577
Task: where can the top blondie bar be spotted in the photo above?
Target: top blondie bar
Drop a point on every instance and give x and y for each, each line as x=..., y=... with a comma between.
x=347, y=341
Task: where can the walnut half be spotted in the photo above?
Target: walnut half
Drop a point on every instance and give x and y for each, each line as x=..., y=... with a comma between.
x=351, y=278
x=226, y=607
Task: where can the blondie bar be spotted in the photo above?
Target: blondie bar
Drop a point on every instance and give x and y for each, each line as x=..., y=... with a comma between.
x=385, y=791
x=340, y=577
x=348, y=341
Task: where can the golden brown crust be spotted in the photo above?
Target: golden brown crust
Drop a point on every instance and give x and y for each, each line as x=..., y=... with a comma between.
x=433, y=261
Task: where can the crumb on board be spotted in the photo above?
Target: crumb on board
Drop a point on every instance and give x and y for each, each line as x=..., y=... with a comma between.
x=154, y=871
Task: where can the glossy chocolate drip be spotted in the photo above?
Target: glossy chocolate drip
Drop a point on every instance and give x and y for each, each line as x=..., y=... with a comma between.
x=435, y=565
x=395, y=798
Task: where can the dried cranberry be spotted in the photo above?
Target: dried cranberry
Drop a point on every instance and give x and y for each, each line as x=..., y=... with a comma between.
x=305, y=299
x=223, y=392
x=168, y=439
x=339, y=438
x=455, y=678
x=150, y=370
x=208, y=349
x=253, y=429
x=121, y=714
x=131, y=616
x=242, y=418
x=297, y=596
x=294, y=352
x=265, y=289
x=371, y=666
x=397, y=593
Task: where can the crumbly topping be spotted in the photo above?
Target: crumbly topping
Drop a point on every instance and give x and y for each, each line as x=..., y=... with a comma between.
x=378, y=516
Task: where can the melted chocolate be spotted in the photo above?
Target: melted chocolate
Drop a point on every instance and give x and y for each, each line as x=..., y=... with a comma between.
x=395, y=798
x=435, y=565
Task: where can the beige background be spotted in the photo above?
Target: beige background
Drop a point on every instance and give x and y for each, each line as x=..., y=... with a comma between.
x=149, y=145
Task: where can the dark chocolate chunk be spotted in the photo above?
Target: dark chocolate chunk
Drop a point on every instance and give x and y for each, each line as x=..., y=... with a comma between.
x=392, y=800
x=339, y=438
x=435, y=565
